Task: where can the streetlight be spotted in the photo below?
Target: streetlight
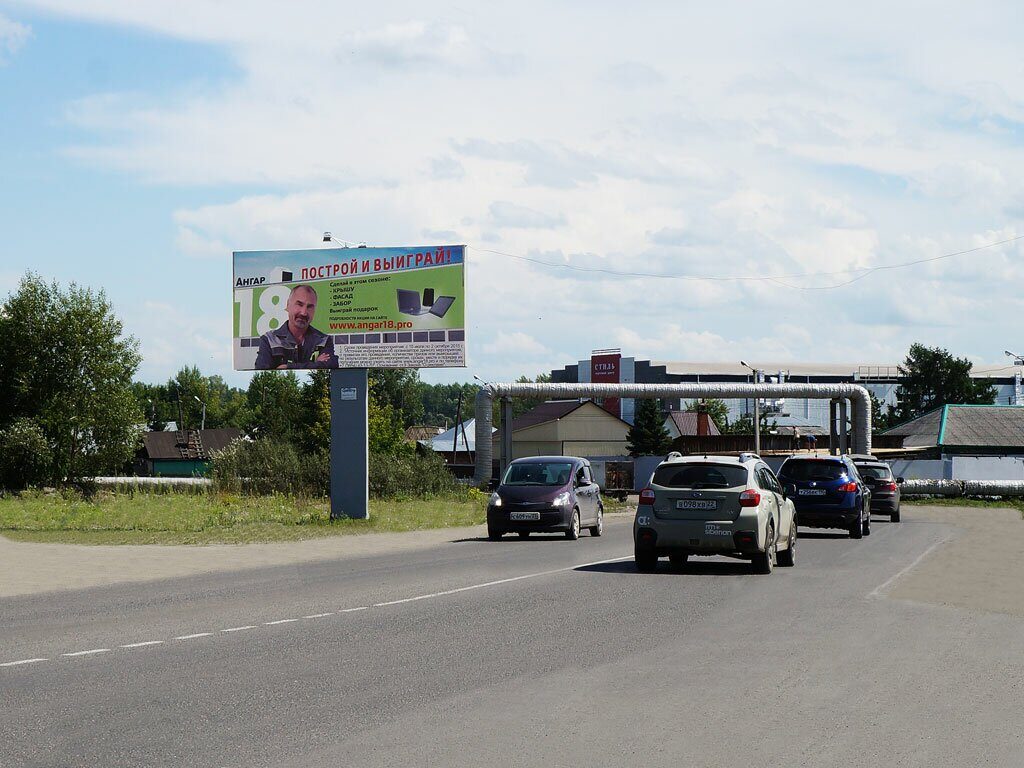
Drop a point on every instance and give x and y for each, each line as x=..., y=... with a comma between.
x=202, y=424
x=757, y=411
x=1017, y=359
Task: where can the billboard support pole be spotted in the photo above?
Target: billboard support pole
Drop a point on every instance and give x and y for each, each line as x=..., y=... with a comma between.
x=350, y=447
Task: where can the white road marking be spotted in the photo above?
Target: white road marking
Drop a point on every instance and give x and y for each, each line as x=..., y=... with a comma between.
x=376, y=605
x=881, y=588
x=500, y=581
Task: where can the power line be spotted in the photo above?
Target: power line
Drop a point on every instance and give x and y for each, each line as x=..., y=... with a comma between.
x=777, y=279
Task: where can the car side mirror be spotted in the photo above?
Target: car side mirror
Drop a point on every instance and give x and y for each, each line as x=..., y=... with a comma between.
x=900, y=481
x=789, y=490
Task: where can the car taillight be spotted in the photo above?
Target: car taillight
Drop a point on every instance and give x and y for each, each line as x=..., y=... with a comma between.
x=750, y=498
x=848, y=488
x=647, y=496
x=887, y=487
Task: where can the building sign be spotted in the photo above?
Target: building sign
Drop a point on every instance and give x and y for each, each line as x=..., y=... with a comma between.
x=605, y=368
x=350, y=308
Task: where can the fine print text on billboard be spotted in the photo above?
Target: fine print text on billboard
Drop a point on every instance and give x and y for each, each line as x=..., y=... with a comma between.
x=350, y=308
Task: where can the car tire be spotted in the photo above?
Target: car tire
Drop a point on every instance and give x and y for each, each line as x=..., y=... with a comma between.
x=867, y=526
x=679, y=560
x=856, y=530
x=764, y=562
x=493, y=533
x=574, y=526
x=787, y=558
x=524, y=534
x=895, y=517
x=597, y=530
x=646, y=559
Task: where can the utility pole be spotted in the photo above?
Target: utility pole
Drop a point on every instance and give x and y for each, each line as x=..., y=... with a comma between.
x=757, y=410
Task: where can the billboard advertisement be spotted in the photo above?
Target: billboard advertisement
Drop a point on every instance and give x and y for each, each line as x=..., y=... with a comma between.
x=350, y=308
x=604, y=369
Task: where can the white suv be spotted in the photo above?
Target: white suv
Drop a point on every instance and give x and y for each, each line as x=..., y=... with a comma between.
x=714, y=505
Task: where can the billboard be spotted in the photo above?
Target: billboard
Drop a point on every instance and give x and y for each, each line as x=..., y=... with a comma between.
x=350, y=308
x=604, y=369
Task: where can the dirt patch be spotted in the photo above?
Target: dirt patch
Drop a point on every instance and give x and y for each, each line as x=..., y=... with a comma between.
x=981, y=569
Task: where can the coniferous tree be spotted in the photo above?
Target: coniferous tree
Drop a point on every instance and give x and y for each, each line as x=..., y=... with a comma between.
x=648, y=436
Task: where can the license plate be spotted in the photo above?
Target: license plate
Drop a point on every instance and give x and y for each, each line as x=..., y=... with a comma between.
x=697, y=504
x=524, y=515
x=812, y=491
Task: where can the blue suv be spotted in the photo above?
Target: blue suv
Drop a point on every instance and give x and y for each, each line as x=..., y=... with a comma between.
x=828, y=492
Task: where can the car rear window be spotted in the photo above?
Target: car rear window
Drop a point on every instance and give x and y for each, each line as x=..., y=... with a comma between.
x=811, y=469
x=699, y=476
x=877, y=472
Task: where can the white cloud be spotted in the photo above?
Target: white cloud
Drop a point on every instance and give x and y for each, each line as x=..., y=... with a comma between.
x=823, y=143
x=13, y=35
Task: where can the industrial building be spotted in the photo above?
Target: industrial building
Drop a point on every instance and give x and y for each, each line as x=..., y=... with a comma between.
x=809, y=415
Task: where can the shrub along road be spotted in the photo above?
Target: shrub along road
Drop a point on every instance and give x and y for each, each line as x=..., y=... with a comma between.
x=537, y=652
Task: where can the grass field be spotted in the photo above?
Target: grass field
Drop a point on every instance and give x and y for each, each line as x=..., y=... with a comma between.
x=206, y=518
x=1011, y=503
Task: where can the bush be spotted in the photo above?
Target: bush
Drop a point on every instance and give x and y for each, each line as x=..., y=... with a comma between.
x=412, y=476
x=25, y=455
x=265, y=466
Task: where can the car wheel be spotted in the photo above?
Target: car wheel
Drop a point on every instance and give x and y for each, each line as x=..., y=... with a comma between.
x=867, y=526
x=574, y=527
x=678, y=560
x=896, y=515
x=787, y=558
x=524, y=534
x=856, y=530
x=764, y=562
x=597, y=530
x=493, y=533
x=646, y=559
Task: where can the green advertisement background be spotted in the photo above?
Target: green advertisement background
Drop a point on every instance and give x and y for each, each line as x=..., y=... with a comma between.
x=376, y=291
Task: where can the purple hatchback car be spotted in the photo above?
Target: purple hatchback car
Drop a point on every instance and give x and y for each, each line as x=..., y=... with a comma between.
x=544, y=494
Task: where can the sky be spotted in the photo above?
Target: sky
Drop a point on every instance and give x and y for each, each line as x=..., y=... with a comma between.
x=741, y=164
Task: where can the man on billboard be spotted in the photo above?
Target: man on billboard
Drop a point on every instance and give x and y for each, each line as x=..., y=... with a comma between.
x=297, y=344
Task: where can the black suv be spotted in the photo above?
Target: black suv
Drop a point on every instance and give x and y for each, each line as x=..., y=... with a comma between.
x=885, y=489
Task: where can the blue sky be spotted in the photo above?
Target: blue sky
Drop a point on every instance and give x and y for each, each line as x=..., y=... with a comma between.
x=142, y=143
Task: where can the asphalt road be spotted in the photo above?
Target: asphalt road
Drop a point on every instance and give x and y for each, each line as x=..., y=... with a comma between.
x=518, y=653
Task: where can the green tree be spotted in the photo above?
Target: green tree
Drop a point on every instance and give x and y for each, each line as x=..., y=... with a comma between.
x=26, y=458
x=401, y=389
x=316, y=410
x=881, y=415
x=744, y=425
x=275, y=402
x=713, y=407
x=648, y=436
x=930, y=377
x=68, y=368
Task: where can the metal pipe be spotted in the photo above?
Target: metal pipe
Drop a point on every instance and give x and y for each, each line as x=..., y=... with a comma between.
x=833, y=434
x=485, y=403
x=844, y=443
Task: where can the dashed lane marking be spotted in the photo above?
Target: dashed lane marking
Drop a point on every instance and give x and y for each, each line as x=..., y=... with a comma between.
x=416, y=598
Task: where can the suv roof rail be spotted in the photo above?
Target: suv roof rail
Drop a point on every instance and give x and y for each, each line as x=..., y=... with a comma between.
x=674, y=455
x=748, y=456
